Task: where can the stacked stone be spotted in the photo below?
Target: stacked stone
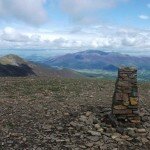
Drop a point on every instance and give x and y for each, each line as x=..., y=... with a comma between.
x=125, y=99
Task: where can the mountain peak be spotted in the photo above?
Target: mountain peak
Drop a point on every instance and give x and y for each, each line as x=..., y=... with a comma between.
x=95, y=52
x=12, y=59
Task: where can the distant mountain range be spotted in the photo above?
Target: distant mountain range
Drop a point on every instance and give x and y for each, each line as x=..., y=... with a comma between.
x=15, y=66
x=95, y=59
x=90, y=63
x=36, y=58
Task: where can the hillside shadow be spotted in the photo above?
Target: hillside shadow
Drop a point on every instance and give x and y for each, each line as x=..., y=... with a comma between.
x=15, y=71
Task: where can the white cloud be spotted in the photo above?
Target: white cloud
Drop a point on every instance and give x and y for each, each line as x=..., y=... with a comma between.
x=81, y=11
x=28, y=11
x=11, y=35
x=12, y=38
x=34, y=11
x=144, y=17
x=96, y=37
x=78, y=6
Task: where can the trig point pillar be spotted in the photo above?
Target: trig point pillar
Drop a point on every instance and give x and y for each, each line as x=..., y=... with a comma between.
x=125, y=100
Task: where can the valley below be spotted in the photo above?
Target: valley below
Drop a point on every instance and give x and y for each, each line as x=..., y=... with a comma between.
x=143, y=75
x=44, y=113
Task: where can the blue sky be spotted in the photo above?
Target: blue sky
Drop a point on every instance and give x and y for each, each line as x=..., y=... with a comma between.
x=52, y=27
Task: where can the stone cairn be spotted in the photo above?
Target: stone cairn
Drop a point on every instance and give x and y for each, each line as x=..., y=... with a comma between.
x=125, y=100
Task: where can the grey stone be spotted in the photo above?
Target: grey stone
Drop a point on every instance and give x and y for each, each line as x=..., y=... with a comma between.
x=93, y=138
x=97, y=126
x=88, y=113
x=95, y=133
x=142, y=130
x=83, y=118
x=89, y=144
x=115, y=135
x=145, y=140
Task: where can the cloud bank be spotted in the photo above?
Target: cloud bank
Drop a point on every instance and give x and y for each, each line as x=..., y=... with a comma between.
x=37, y=12
x=96, y=37
x=89, y=36
x=78, y=6
x=82, y=10
x=29, y=11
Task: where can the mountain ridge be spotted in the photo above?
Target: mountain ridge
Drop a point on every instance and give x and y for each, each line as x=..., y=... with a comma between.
x=15, y=66
x=95, y=59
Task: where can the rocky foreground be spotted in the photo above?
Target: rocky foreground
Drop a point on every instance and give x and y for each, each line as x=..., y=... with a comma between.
x=66, y=114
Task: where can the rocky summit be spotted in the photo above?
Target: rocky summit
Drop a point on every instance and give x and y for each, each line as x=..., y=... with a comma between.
x=67, y=114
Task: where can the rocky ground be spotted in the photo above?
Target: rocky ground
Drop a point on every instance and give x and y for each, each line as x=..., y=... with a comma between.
x=66, y=114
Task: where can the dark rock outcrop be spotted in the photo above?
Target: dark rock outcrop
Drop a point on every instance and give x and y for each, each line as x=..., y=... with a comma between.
x=15, y=71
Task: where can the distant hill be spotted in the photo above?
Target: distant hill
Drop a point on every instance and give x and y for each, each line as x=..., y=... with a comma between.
x=95, y=59
x=15, y=66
